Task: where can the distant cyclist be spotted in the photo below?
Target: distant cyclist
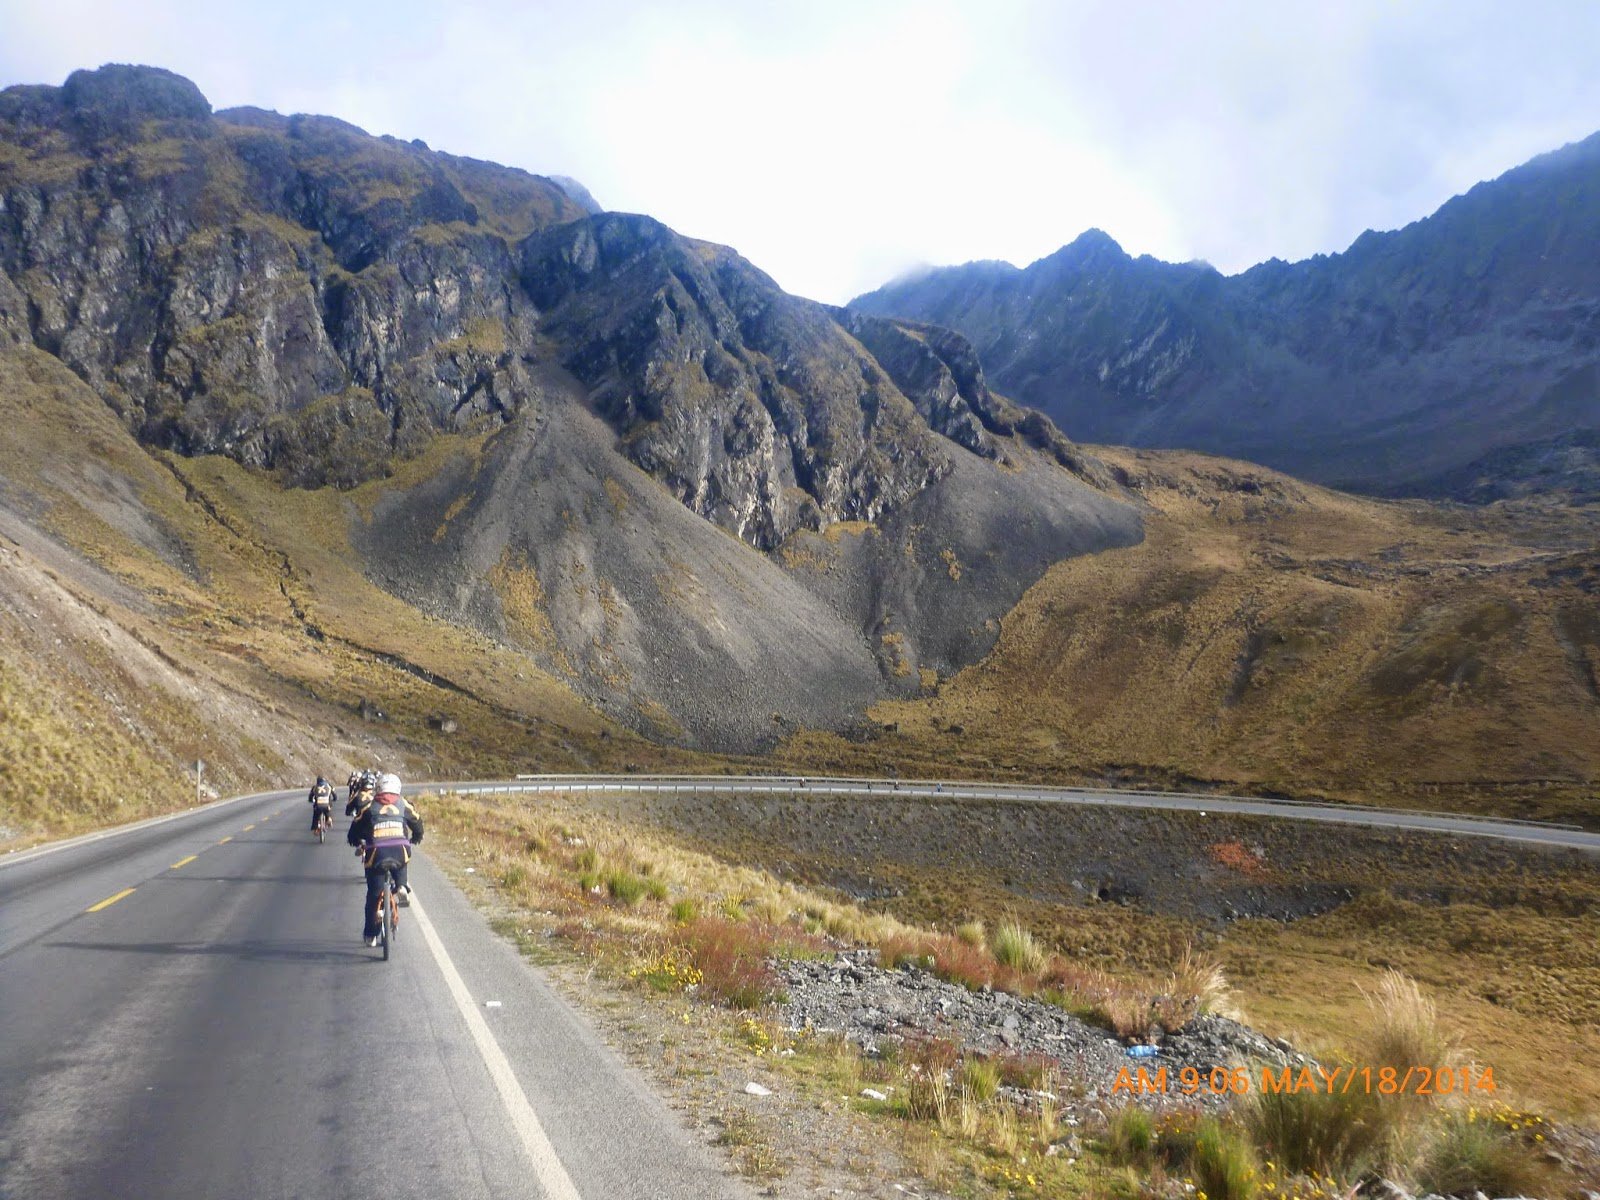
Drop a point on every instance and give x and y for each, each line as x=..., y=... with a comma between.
x=363, y=786
x=321, y=801
x=387, y=829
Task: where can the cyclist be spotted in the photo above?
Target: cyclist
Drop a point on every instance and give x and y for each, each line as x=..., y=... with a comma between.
x=321, y=801
x=388, y=829
x=363, y=785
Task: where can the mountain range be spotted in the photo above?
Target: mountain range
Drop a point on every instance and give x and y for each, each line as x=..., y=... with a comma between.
x=317, y=443
x=605, y=402
x=1456, y=357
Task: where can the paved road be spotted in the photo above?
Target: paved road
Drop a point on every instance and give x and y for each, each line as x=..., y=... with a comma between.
x=219, y=1031
x=1568, y=836
x=186, y=1010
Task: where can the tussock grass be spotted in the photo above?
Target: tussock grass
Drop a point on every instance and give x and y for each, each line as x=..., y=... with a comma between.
x=1471, y=1152
x=1224, y=1163
x=1131, y=1135
x=1016, y=948
x=625, y=888
x=1320, y=1133
x=1405, y=1029
x=980, y=1079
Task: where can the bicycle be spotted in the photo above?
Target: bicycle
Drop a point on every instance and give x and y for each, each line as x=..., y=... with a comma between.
x=388, y=915
x=324, y=815
x=388, y=905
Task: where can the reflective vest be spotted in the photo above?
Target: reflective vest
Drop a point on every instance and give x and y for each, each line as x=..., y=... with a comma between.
x=389, y=840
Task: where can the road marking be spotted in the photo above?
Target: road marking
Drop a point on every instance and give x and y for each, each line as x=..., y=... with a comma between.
x=248, y=828
x=547, y=1166
x=110, y=900
x=183, y=862
x=100, y=835
x=226, y=840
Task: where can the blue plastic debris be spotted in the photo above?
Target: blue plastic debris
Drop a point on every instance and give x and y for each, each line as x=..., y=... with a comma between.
x=1143, y=1051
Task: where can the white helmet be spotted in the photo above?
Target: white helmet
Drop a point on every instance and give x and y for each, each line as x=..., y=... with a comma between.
x=388, y=785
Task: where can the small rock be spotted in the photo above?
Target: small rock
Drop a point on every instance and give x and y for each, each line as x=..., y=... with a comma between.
x=873, y=1094
x=755, y=1089
x=1383, y=1189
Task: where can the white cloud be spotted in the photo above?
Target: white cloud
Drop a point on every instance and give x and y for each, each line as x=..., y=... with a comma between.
x=837, y=143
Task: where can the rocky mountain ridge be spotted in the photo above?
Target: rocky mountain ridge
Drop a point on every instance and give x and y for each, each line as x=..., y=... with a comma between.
x=1471, y=337
x=596, y=399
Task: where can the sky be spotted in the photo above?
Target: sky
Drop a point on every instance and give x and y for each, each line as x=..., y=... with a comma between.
x=839, y=143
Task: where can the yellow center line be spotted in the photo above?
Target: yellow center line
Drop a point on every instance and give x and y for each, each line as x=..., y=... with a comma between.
x=183, y=862
x=226, y=840
x=110, y=900
x=248, y=828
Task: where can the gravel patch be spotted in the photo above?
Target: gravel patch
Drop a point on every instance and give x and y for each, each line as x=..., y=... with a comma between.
x=871, y=1005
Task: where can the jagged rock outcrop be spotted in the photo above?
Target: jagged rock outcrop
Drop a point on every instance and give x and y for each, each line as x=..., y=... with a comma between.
x=939, y=370
x=750, y=404
x=297, y=295
x=285, y=290
x=1388, y=368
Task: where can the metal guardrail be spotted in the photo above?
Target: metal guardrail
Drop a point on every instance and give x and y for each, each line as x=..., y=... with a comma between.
x=936, y=789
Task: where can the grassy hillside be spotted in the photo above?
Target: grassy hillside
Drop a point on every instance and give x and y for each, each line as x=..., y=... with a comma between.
x=1274, y=636
x=157, y=610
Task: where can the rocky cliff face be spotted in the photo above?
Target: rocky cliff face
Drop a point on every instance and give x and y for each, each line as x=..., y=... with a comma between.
x=751, y=405
x=297, y=296
x=1389, y=368
x=286, y=291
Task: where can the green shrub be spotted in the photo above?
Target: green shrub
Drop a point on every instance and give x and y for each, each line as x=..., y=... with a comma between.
x=655, y=889
x=1224, y=1163
x=980, y=1079
x=1321, y=1132
x=1130, y=1135
x=1469, y=1155
x=684, y=911
x=1014, y=947
x=972, y=933
x=624, y=887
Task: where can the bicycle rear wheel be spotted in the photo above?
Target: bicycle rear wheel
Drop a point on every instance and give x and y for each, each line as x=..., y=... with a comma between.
x=386, y=904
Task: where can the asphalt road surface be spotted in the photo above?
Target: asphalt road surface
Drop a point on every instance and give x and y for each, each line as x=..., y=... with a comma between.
x=1539, y=833
x=187, y=1010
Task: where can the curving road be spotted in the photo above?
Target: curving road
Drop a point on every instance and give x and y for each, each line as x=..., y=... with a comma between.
x=186, y=1010
x=1541, y=833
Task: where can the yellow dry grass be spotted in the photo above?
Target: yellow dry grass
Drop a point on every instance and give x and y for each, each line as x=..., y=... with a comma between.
x=1272, y=635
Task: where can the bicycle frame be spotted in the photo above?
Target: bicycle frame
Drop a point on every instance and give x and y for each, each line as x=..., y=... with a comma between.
x=388, y=905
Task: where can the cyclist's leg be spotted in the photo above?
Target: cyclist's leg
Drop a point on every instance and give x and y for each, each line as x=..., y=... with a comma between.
x=376, y=878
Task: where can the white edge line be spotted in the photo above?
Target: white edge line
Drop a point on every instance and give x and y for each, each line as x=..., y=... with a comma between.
x=553, y=1177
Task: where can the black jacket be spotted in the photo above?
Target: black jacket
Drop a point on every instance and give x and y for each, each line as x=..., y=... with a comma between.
x=361, y=827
